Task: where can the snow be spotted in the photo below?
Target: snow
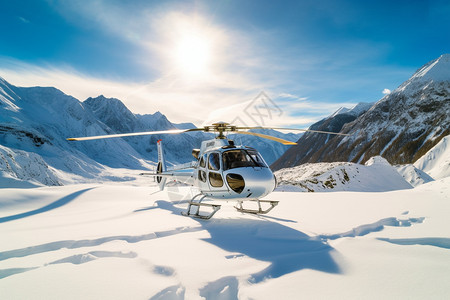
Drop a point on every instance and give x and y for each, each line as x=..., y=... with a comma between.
x=377, y=175
x=109, y=233
x=127, y=240
x=24, y=168
x=413, y=175
x=436, y=162
x=437, y=70
x=356, y=110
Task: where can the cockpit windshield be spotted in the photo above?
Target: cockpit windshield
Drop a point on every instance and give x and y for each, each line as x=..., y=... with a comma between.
x=240, y=158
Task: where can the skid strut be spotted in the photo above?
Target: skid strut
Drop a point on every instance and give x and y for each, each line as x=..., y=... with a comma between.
x=193, y=209
x=259, y=210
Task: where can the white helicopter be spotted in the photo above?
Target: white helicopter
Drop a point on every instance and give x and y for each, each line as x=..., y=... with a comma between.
x=222, y=170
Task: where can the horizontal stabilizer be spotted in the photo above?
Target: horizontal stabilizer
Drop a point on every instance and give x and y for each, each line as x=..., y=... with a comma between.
x=173, y=174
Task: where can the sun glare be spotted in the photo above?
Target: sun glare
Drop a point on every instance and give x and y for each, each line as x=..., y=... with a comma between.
x=192, y=54
x=191, y=46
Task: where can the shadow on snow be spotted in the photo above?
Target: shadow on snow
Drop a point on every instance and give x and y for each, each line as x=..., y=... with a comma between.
x=56, y=204
x=286, y=249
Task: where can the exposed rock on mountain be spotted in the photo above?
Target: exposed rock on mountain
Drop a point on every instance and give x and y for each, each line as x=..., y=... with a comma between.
x=310, y=143
x=401, y=127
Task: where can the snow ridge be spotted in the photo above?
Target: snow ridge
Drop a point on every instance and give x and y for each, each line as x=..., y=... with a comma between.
x=376, y=176
x=436, y=162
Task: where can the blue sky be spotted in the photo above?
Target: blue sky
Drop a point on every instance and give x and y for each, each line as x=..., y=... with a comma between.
x=189, y=59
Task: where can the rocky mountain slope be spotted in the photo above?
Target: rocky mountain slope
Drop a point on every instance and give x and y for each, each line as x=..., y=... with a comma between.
x=311, y=143
x=400, y=127
x=375, y=175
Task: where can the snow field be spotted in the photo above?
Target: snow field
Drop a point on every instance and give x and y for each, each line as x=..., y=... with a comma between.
x=120, y=241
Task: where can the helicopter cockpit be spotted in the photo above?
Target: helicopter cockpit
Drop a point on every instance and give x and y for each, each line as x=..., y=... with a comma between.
x=239, y=158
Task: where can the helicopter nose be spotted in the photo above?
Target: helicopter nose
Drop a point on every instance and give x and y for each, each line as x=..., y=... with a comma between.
x=258, y=183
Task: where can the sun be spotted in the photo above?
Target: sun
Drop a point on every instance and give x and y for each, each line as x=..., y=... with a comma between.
x=192, y=48
x=192, y=54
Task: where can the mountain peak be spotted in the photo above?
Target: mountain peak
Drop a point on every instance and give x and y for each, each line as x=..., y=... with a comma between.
x=341, y=110
x=101, y=98
x=356, y=110
x=101, y=102
x=436, y=70
x=445, y=56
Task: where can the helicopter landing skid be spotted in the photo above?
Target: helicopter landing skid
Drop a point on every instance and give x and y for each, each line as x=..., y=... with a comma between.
x=195, y=212
x=258, y=211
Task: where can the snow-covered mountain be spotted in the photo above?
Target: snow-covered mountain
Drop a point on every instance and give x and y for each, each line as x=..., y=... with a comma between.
x=355, y=111
x=21, y=169
x=120, y=119
x=401, y=127
x=436, y=162
x=377, y=175
x=39, y=119
x=310, y=143
x=116, y=115
x=35, y=122
x=434, y=165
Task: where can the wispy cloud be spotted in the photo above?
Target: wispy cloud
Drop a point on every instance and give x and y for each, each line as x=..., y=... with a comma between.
x=290, y=96
x=24, y=20
x=178, y=100
x=173, y=97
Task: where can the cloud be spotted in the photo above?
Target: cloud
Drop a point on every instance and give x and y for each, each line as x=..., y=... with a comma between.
x=290, y=96
x=386, y=91
x=177, y=99
x=24, y=20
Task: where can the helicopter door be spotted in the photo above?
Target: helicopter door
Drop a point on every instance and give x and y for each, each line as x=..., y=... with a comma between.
x=215, y=179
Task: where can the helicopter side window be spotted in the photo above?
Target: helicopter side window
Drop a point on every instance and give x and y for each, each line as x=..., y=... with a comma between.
x=215, y=179
x=202, y=175
x=214, y=161
x=203, y=161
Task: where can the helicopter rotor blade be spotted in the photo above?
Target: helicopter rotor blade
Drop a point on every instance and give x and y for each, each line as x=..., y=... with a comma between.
x=218, y=127
x=269, y=137
x=296, y=129
x=173, y=131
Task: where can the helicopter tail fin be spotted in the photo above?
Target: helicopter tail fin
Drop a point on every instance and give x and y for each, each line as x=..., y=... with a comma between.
x=161, y=168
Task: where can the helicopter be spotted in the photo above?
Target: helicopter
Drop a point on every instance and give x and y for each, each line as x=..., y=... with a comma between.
x=222, y=170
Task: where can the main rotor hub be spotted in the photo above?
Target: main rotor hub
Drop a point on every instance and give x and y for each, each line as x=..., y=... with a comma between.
x=220, y=127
